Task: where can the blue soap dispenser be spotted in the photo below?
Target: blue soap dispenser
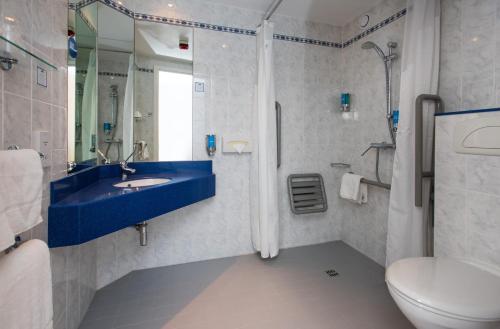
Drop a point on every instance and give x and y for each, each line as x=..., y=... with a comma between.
x=211, y=145
x=395, y=120
x=345, y=102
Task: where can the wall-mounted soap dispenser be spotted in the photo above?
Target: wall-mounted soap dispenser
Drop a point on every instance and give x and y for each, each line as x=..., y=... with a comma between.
x=395, y=120
x=211, y=145
x=345, y=102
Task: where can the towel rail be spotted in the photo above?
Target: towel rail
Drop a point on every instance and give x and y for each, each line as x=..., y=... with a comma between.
x=363, y=180
x=16, y=147
x=375, y=183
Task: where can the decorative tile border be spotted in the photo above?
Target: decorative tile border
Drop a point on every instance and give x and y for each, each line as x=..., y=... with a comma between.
x=86, y=20
x=376, y=27
x=183, y=22
x=307, y=41
x=117, y=74
x=117, y=6
x=106, y=74
x=81, y=4
x=145, y=70
x=236, y=30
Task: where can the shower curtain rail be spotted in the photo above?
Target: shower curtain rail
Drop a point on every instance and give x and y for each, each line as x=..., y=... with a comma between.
x=270, y=11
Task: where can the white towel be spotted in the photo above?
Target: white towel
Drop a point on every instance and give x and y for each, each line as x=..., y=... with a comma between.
x=143, y=150
x=26, y=287
x=21, y=177
x=353, y=190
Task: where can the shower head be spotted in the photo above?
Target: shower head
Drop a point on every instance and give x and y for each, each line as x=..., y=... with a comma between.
x=392, y=44
x=368, y=45
x=372, y=45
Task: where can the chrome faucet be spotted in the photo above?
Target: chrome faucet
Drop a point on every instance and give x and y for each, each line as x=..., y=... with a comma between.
x=379, y=146
x=126, y=170
x=105, y=160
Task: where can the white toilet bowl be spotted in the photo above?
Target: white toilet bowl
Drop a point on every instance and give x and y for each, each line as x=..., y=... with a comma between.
x=439, y=293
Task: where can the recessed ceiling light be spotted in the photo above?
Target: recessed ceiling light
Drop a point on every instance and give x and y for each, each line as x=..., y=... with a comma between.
x=10, y=19
x=475, y=39
x=171, y=5
x=225, y=46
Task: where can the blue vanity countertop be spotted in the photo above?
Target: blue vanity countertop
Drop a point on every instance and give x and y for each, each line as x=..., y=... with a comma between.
x=86, y=205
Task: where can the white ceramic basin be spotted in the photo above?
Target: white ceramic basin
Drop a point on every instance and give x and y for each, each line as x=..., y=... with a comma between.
x=142, y=182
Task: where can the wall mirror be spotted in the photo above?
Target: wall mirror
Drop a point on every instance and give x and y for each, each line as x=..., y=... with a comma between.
x=164, y=92
x=130, y=88
x=115, y=43
x=82, y=84
x=101, y=85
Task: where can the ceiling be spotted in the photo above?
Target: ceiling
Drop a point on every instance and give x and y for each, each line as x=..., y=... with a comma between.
x=333, y=12
x=160, y=40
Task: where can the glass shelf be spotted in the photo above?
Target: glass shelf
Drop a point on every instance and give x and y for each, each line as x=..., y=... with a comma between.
x=27, y=52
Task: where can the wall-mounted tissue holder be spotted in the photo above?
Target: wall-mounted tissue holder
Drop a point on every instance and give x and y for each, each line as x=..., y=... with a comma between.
x=478, y=136
x=236, y=145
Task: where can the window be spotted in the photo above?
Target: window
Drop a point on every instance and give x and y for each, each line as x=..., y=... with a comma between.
x=174, y=113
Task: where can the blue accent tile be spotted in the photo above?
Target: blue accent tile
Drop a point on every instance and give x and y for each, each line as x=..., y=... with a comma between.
x=467, y=112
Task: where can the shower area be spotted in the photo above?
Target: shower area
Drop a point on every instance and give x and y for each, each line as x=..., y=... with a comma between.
x=318, y=137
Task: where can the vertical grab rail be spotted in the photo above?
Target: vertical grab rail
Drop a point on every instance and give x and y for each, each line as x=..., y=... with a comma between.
x=420, y=174
x=278, y=132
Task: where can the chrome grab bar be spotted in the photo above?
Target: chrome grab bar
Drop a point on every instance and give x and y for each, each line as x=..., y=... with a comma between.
x=420, y=174
x=340, y=165
x=375, y=183
x=363, y=180
x=278, y=132
x=379, y=146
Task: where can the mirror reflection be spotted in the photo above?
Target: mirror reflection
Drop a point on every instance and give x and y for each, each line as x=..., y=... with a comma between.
x=100, y=109
x=130, y=88
x=82, y=84
x=116, y=80
x=164, y=92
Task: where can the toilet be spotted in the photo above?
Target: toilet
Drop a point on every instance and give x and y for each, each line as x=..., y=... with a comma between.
x=438, y=293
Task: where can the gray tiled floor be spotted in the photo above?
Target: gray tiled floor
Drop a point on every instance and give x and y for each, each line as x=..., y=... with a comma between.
x=290, y=292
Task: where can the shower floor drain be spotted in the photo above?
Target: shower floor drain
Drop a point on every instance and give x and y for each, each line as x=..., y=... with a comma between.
x=332, y=273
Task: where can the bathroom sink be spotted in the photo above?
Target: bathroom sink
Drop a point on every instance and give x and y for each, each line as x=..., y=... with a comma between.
x=95, y=201
x=142, y=182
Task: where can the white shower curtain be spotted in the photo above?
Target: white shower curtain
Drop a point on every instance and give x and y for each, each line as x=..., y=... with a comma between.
x=128, y=111
x=264, y=172
x=419, y=75
x=89, y=110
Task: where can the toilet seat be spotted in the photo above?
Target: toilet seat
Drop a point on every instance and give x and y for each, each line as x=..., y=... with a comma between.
x=447, y=287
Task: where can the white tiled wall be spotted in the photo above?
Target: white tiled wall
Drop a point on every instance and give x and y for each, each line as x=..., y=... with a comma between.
x=469, y=68
x=467, y=193
x=25, y=107
x=467, y=202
